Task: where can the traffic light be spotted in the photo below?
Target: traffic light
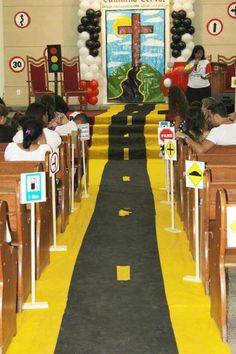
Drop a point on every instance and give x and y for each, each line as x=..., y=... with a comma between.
x=54, y=58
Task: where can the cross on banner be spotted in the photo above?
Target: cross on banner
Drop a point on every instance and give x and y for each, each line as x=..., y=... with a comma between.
x=135, y=30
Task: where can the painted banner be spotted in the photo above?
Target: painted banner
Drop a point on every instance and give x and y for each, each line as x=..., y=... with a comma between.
x=134, y=46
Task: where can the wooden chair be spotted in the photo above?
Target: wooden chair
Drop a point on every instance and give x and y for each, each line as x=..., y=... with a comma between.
x=70, y=81
x=230, y=70
x=37, y=77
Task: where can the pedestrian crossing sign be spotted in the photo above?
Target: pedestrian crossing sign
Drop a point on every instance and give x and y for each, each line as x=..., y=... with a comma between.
x=194, y=173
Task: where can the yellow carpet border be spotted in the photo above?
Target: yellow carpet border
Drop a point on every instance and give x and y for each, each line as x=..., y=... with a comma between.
x=195, y=331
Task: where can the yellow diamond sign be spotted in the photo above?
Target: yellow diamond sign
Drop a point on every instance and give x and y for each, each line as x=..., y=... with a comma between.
x=233, y=226
x=195, y=174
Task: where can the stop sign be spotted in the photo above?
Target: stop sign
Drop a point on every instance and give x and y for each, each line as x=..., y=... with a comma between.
x=166, y=133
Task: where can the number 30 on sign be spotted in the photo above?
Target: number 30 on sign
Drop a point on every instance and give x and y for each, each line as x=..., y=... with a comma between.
x=17, y=64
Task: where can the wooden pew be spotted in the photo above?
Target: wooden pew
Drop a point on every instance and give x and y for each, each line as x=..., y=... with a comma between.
x=11, y=170
x=8, y=281
x=179, y=168
x=63, y=187
x=221, y=257
x=20, y=228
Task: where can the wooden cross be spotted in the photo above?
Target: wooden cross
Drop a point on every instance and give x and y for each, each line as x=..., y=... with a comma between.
x=135, y=30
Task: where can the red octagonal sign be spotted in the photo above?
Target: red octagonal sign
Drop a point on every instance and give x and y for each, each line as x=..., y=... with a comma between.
x=166, y=133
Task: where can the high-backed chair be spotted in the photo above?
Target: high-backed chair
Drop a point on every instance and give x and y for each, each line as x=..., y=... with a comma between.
x=230, y=70
x=37, y=77
x=71, y=81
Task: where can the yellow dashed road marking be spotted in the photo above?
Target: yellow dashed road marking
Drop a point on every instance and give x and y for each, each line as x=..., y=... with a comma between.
x=126, y=153
x=126, y=178
x=123, y=273
x=124, y=212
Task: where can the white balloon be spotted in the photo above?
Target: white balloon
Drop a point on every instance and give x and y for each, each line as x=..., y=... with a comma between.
x=96, y=5
x=89, y=59
x=187, y=6
x=167, y=82
x=187, y=37
x=84, y=5
x=191, y=14
x=84, y=35
x=83, y=51
x=94, y=68
x=80, y=43
x=88, y=75
x=81, y=13
x=83, y=68
x=186, y=53
x=180, y=59
x=97, y=60
x=190, y=45
x=177, y=6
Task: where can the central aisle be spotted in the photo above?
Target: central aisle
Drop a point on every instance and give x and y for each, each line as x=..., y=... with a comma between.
x=103, y=314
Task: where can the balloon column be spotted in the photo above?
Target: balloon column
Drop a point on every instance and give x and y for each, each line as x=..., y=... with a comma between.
x=182, y=30
x=89, y=47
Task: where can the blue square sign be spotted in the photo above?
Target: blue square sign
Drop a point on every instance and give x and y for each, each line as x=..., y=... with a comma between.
x=33, y=187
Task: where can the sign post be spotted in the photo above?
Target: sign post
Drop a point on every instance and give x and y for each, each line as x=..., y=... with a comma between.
x=165, y=124
x=171, y=155
x=84, y=135
x=54, y=168
x=194, y=179
x=33, y=190
x=166, y=133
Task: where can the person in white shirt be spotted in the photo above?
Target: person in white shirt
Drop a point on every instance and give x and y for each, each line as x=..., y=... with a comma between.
x=62, y=125
x=198, y=69
x=33, y=147
x=38, y=111
x=223, y=133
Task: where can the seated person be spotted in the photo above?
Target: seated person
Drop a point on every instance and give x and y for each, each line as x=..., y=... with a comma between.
x=178, y=106
x=195, y=124
x=62, y=125
x=6, y=132
x=223, y=133
x=38, y=111
x=33, y=147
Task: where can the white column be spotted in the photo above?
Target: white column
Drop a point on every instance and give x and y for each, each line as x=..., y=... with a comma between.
x=1, y=51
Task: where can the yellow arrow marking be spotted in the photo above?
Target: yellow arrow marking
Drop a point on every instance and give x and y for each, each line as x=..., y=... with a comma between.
x=126, y=178
x=126, y=135
x=124, y=212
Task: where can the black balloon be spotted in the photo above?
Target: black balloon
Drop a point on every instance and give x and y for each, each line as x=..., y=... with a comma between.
x=85, y=21
x=90, y=13
x=176, y=38
x=176, y=22
x=190, y=30
x=95, y=21
x=90, y=29
x=97, y=44
x=174, y=14
x=94, y=36
x=94, y=52
x=90, y=44
x=173, y=45
x=181, y=14
x=173, y=30
x=97, y=29
x=181, y=45
x=80, y=28
x=98, y=13
x=187, y=22
x=176, y=53
x=180, y=30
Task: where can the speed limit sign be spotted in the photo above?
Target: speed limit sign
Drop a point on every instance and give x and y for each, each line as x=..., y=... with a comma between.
x=17, y=64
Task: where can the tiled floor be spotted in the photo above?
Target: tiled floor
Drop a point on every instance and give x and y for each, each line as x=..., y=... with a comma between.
x=232, y=309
